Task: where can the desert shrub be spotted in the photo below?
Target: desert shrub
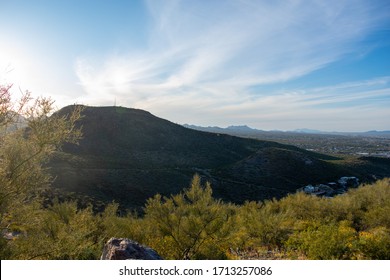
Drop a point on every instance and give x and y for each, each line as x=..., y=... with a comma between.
x=374, y=244
x=5, y=251
x=377, y=204
x=324, y=241
x=189, y=225
x=62, y=232
x=301, y=206
x=127, y=226
x=263, y=225
x=366, y=207
x=29, y=135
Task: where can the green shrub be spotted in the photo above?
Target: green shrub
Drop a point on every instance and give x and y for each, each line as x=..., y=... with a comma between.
x=318, y=241
x=189, y=223
x=263, y=226
x=375, y=244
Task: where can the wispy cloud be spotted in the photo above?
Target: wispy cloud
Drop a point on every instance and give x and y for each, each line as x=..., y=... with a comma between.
x=204, y=56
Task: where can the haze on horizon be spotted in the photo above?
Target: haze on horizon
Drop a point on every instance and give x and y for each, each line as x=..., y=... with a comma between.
x=267, y=64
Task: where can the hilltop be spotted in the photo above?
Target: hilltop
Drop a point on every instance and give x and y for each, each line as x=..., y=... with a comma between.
x=128, y=155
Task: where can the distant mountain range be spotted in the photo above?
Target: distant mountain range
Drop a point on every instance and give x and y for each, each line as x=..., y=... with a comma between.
x=15, y=121
x=129, y=155
x=248, y=130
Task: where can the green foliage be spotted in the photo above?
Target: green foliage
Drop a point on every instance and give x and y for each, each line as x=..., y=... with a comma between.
x=375, y=244
x=324, y=241
x=264, y=225
x=5, y=251
x=188, y=224
x=129, y=226
x=24, y=152
x=301, y=206
x=62, y=232
x=354, y=225
x=193, y=225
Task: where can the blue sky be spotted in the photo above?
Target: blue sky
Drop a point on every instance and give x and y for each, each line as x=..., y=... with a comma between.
x=267, y=64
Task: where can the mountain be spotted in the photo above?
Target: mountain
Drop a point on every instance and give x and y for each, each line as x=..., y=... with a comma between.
x=307, y=130
x=240, y=130
x=243, y=128
x=129, y=155
x=375, y=133
x=371, y=133
x=14, y=122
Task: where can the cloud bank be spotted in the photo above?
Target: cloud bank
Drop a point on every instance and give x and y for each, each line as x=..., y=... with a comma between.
x=227, y=62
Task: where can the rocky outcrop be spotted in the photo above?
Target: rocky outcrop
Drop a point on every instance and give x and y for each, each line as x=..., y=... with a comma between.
x=126, y=249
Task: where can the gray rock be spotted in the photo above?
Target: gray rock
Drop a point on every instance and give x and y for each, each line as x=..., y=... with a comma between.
x=126, y=249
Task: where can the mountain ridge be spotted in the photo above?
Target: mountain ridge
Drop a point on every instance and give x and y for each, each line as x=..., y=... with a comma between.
x=246, y=128
x=129, y=155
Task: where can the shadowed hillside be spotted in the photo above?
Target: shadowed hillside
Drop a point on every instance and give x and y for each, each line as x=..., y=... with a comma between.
x=128, y=155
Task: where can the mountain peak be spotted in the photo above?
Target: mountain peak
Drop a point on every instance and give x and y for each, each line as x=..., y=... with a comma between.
x=308, y=130
x=240, y=127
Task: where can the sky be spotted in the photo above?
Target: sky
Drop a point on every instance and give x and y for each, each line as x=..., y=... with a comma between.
x=279, y=65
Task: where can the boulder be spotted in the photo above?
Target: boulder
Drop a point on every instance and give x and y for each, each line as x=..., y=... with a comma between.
x=126, y=249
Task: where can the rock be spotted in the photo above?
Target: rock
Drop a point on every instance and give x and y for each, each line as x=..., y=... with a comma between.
x=126, y=249
x=10, y=235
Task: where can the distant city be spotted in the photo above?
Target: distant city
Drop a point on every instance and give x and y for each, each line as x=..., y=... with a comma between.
x=370, y=143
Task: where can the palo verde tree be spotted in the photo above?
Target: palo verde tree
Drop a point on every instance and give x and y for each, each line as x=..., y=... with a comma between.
x=29, y=134
x=263, y=226
x=189, y=225
x=62, y=231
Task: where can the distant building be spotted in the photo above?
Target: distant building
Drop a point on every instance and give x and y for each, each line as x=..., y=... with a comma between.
x=332, y=188
x=348, y=182
x=309, y=189
x=314, y=190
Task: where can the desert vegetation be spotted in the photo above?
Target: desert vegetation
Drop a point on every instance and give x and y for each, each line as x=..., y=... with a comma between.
x=193, y=225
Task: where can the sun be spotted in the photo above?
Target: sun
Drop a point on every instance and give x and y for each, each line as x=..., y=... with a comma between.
x=15, y=65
